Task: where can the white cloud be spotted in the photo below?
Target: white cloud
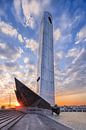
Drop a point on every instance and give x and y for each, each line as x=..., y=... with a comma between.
x=8, y=29
x=21, y=67
x=31, y=7
x=20, y=50
x=81, y=35
x=10, y=52
x=73, y=52
x=10, y=68
x=20, y=38
x=17, y=9
x=11, y=31
x=2, y=45
x=71, y=78
x=27, y=11
x=57, y=34
x=65, y=22
x=30, y=22
x=31, y=43
x=78, y=56
x=59, y=55
x=31, y=67
x=26, y=60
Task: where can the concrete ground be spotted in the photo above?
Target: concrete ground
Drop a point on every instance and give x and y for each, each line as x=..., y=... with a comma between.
x=37, y=122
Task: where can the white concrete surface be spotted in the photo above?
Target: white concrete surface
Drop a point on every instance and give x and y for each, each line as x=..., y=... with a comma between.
x=46, y=60
x=37, y=122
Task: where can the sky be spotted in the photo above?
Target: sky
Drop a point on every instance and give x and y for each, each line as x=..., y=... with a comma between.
x=20, y=23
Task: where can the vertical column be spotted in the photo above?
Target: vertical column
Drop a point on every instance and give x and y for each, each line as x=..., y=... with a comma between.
x=46, y=60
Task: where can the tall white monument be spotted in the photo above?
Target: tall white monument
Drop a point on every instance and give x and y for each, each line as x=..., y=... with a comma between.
x=46, y=60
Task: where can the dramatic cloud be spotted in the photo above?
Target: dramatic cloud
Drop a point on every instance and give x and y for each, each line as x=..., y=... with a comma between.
x=12, y=69
x=20, y=23
x=72, y=80
x=12, y=32
x=30, y=10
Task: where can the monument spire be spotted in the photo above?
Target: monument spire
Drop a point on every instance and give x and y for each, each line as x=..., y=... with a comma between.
x=46, y=60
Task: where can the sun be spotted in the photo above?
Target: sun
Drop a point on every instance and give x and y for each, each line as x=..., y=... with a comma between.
x=17, y=104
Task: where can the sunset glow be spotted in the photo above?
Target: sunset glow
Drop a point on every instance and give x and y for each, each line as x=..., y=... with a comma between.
x=74, y=99
x=17, y=104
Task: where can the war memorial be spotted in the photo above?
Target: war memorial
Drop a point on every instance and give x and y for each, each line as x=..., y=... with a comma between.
x=45, y=80
x=37, y=109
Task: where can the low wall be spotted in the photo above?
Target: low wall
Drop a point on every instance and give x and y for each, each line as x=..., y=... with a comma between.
x=35, y=110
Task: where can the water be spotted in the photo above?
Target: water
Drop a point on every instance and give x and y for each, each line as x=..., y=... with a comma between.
x=74, y=120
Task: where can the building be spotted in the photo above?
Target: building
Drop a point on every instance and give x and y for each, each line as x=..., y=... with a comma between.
x=46, y=60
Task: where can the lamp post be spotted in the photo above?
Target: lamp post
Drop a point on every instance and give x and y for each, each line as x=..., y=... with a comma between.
x=9, y=100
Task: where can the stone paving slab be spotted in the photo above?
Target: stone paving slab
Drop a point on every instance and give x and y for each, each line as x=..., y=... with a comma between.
x=38, y=122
